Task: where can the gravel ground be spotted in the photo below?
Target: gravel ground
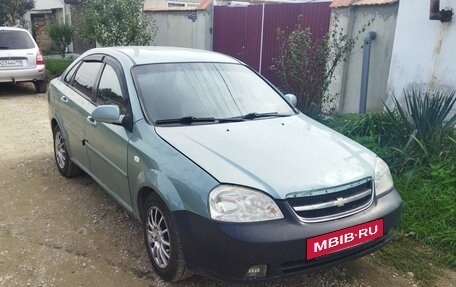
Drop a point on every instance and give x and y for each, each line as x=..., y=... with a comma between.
x=68, y=232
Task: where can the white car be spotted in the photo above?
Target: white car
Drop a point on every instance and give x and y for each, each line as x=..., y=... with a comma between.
x=21, y=59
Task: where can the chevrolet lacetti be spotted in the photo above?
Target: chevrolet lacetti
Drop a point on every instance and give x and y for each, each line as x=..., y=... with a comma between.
x=228, y=178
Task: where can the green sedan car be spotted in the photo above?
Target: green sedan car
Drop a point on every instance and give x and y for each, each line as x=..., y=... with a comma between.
x=228, y=178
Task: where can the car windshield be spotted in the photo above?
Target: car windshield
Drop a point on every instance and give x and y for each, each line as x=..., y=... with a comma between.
x=205, y=92
x=14, y=39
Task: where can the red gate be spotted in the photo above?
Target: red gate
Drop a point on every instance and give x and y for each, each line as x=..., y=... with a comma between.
x=249, y=33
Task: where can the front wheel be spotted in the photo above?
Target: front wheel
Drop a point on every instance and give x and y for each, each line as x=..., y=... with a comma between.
x=162, y=241
x=64, y=164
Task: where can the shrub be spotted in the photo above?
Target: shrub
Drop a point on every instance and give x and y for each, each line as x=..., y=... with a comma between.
x=61, y=34
x=422, y=128
x=117, y=23
x=55, y=67
x=12, y=11
x=306, y=68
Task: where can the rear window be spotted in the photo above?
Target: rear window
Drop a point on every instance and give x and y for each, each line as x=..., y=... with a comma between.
x=10, y=40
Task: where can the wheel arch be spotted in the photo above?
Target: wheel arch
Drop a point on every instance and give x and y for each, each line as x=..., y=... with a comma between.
x=54, y=123
x=142, y=196
x=169, y=201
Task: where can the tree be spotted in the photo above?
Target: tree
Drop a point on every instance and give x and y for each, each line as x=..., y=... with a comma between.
x=61, y=34
x=13, y=11
x=306, y=68
x=117, y=22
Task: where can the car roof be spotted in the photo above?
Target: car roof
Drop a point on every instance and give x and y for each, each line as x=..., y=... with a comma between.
x=153, y=55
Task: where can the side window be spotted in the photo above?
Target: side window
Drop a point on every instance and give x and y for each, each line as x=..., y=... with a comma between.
x=109, y=91
x=70, y=74
x=86, y=75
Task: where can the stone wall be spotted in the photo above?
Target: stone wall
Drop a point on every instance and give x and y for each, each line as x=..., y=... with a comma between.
x=40, y=24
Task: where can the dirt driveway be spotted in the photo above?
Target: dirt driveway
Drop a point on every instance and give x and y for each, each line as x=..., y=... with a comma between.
x=67, y=232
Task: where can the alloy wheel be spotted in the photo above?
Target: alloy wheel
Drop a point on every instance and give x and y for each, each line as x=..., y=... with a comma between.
x=158, y=237
x=60, y=150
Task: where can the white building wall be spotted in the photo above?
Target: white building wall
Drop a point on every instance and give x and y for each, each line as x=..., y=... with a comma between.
x=189, y=29
x=424, y=52
x=345, y=88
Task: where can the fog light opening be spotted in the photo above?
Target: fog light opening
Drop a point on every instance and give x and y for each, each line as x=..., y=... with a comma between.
x=256, y=271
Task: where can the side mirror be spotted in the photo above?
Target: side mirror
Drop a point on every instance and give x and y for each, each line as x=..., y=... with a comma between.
x=291, y=99
x=108, y=114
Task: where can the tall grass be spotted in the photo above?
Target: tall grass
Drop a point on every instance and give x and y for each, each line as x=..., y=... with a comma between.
x=429, y=215
x=418, y=141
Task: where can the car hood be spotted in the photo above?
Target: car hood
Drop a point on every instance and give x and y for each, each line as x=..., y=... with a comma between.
x=280, y=156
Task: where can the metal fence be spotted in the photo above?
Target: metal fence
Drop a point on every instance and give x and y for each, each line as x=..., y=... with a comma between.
x=249, y=33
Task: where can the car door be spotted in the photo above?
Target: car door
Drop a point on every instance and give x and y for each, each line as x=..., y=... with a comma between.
x=107, y=143
x=75, y=100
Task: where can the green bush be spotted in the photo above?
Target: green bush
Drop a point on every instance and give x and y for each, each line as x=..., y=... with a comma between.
x=55, y=67
x=418, y=141
x=306, y=68
x=61, y=34
x=117, y=23
x=425, y=112
x=421, y=130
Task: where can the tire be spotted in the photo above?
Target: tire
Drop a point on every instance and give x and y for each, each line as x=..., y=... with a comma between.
x=64, y=164
x=162, y=241
x=40, y=86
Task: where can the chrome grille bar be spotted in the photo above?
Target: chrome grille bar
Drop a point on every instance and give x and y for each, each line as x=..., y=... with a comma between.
x=338, y=202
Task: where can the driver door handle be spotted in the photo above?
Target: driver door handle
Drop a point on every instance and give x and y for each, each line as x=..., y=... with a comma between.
x=64, y=99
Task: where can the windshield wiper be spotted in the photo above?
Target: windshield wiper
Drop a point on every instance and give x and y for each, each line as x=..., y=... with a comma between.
x=255, y=115
x=251, y=116
x=191, y=119
x=185, y=120
x=4, y=48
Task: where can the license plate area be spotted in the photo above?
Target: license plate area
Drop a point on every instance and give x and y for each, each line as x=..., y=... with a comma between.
x=345, y=238
x=10, y=63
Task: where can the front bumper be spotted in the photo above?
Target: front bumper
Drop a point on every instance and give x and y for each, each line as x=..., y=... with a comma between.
x=227, y=250
x=23, y=75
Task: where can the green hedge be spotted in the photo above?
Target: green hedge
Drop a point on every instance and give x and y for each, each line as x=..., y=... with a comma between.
x=55, y=67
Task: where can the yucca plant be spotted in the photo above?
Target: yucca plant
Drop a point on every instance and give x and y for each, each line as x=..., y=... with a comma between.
x=427, y=112
x=421, y=128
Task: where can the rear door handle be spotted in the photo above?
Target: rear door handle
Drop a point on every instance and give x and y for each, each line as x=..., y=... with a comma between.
x=91, y=121
x=64, y=99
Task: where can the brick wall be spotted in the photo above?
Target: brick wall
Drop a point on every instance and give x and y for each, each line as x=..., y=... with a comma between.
x=40, y=24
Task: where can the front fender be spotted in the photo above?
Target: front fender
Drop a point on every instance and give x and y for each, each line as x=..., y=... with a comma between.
x=154, y=164
x=176, y=194
x=162, y=185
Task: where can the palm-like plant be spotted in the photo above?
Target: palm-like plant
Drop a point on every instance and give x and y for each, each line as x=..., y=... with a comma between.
x=424, y=122
x=425, y=111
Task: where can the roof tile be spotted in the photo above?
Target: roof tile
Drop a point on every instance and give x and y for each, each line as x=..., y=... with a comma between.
x=347, y=3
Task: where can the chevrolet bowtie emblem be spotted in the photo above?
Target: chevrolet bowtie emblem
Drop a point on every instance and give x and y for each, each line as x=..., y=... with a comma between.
x=339, y=202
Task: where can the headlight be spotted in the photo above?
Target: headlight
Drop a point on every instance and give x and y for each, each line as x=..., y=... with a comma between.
x=239, y=204
x=383, y=179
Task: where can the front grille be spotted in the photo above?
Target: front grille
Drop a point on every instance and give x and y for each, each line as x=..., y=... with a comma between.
x=333, y=202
